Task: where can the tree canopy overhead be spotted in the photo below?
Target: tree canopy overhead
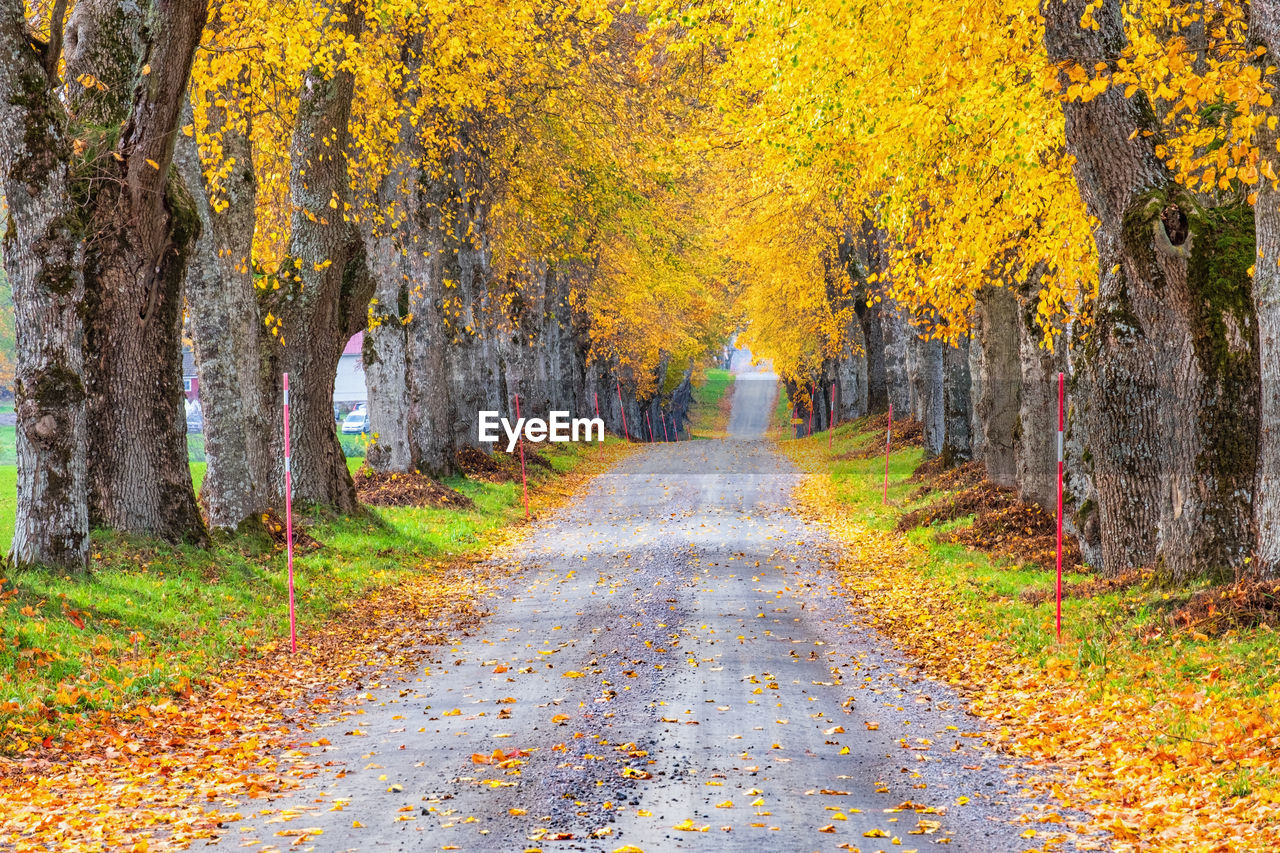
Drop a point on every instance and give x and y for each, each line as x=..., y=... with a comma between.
x=531, y=198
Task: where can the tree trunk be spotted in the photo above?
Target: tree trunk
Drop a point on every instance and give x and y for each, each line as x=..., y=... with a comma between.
x=977, y=437
x=386, y=342
x=324, y=289
x=1174, y=363
x=1037, y=445
x=853, y=391
x=1080, y=497
x=224, y=323
x=1264, y=31
x=140, y=227
x=40, y=254
x=386, y=362
x=997, y=383
x=918, y=378
x=681, y=400
x=932, y=403
x=957, y=444
x=873, y=338
x=475, y=376
x=896, y=335
x=430, y=407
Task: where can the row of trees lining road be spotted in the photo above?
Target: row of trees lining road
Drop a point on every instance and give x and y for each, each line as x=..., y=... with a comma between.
x=492, y=191
x=979, y=195
x=935, y=206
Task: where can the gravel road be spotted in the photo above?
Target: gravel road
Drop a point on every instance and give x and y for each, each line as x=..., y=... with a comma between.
x=669, y=656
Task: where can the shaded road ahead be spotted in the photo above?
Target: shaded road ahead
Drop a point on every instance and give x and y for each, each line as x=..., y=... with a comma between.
x=676, y=675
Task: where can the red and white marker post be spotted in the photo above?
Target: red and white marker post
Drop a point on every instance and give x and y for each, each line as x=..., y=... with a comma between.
x=663, y=417
x=649, y=423
x=596, y=395
x=524, y=482
x=623, y=410
x=1062, y=398
x=288, y=520
x=888, y=439
x=675, y=429
x=831, y=421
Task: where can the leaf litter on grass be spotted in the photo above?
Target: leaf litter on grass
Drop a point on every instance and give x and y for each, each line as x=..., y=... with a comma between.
x=163, y=773
x=1104, y=750
x=152, y=776
x=376, y=488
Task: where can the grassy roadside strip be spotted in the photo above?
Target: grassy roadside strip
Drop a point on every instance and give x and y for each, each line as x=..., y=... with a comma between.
x=1169, y=739
x=117, y=732
x=709, y=414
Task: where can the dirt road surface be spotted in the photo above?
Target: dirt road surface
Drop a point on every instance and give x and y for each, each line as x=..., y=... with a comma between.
x=668, y=670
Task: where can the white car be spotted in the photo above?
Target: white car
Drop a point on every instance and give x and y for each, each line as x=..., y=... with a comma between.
x=356, y=423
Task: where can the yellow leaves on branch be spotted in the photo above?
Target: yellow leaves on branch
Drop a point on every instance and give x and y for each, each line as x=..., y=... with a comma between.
x=556, y=120
x=930, y=126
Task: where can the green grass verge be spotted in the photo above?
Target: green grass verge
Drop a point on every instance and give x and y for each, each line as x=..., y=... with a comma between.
x=9, y=499
x=1120, y=641
x=709, y=414
x=151, y=615
x=352, y=445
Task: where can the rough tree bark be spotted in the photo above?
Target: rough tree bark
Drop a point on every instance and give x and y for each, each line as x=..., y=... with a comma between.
x=1264, y=31
x=896, y=335
x=386, y=359
x=224, y=322
x=873, y=338
x=848, y=371
x=917, y=374
x=1080, y=497
x=932, y=406
x=1173, y=417
x=140, y=225
x=872, y=313
x=957, y=446
x=386, y=342
x=325, y=288
x=430, y=406
x=997, y=383
x=471, y=320
x=410, y=411
x=1037, y=444
x=853, y=391
x=40, y=255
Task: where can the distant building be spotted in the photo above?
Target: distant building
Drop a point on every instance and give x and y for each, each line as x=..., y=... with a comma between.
x=348, y=387
x=190, y=379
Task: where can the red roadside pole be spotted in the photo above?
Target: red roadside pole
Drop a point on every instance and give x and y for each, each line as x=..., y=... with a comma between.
x=1062, y=397
x=831, y=421
x=524, y=482
x=288, y=519
x=663, y=417
x=623, y=410
x=888, y=439
x=596, y=395
x=675, y=429
x=649, y=423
